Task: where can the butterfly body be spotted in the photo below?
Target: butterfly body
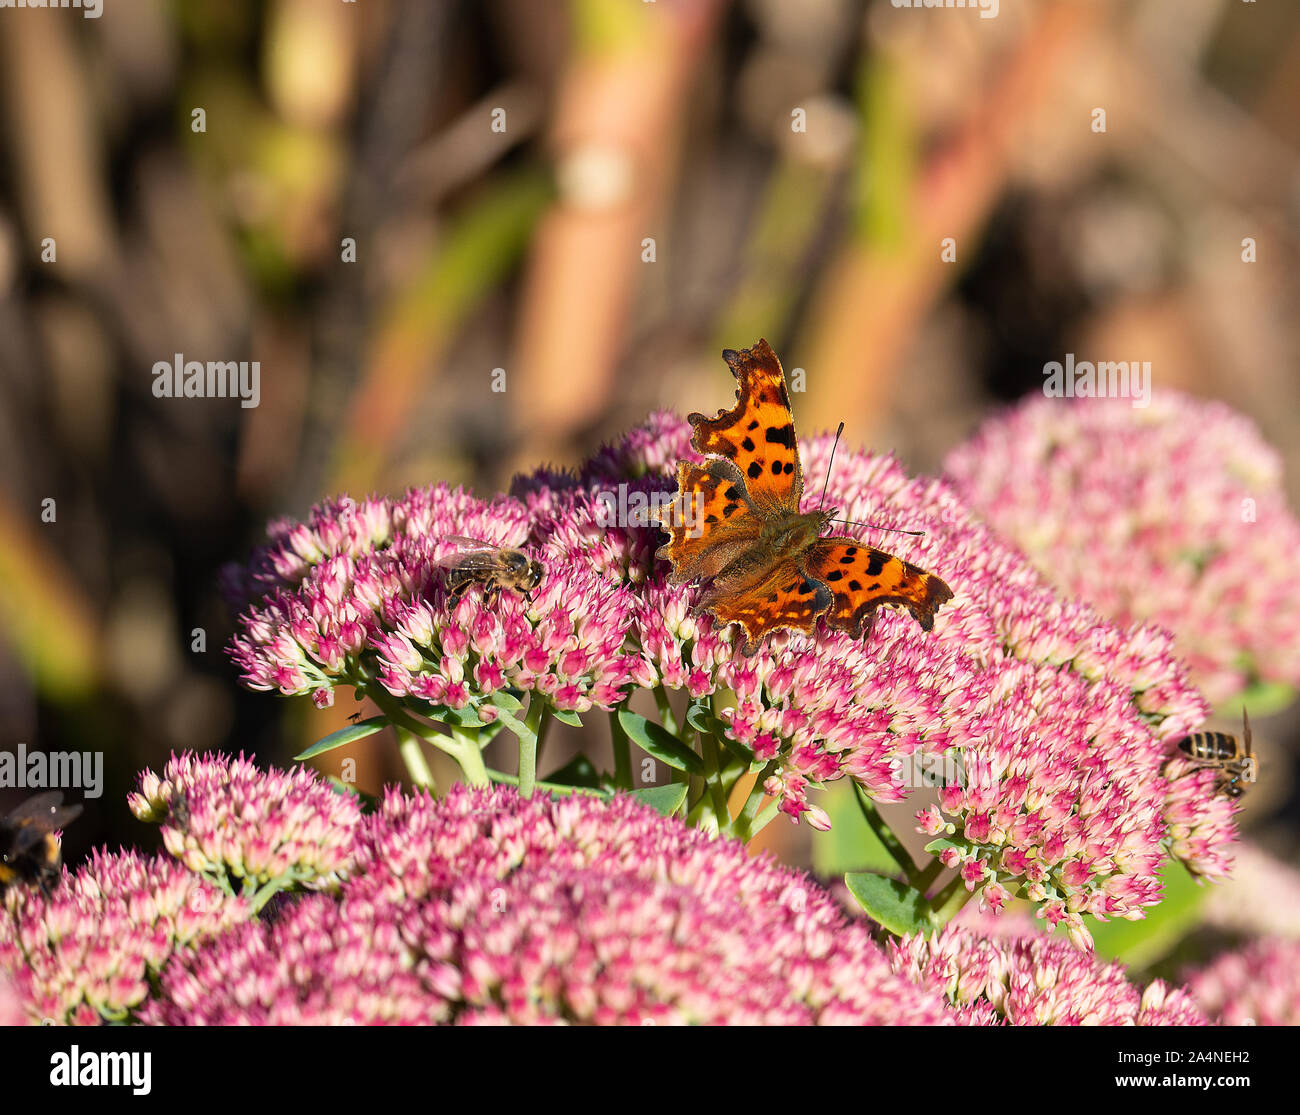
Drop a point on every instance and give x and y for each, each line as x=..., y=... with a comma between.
x=737, y=522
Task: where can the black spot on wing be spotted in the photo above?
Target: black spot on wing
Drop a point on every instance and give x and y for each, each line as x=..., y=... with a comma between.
x=782, y=435
x=876, y=563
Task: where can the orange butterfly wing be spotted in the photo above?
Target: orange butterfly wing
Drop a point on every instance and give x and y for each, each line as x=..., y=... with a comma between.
x=757, y=434
x=861, y=578
x=716, y=523
x=710, y=523
x=784, y=596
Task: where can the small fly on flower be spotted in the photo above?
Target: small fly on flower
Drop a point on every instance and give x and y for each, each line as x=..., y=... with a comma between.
x=29, y=850
x=493, y=567
x=1235, y=759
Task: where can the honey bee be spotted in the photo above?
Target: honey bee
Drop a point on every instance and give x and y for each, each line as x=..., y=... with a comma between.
x=1235, y=760
x=493, y=567
x=29, y=850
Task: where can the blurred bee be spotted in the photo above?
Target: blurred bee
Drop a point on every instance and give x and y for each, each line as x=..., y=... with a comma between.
x=1235, y=760
x=178, y=811
x=29, y=850
x=493, y=567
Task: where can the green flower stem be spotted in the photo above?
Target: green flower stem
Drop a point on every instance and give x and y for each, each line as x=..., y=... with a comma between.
x=925, y=879
x=409, y=745
x=666, y=717
x=461, y=745
x=549, y=787
x=885, y=834
x=713, y=774
x=528, y=733
x=269, y=890
x=948, y=901
x=622, y=753
x=763, y=820
x=744, y=823
x=544, y=724
x=467, y=752
x=702, y=814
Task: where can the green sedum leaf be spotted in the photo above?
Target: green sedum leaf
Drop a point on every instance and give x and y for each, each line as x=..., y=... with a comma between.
x=567, y=716
x=344, y=736
x=895, y=905
x=656, y=740
x=664, y=799
x=850, y=845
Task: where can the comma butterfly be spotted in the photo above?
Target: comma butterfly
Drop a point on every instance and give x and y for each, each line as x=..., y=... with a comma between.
x=736, y=521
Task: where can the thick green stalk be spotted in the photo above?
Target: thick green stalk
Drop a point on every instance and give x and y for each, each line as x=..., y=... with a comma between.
x=622, y=753
x=409, y=745
x=886, y=835
x=713, y=775
x=925, y=879
x=528, y=733
x=550, y=787
x=467, y=752
x=744, y=823
x=948, y=901
x=666, y=717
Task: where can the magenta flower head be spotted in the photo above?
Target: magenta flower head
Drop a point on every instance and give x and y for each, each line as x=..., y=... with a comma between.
x=1052, y=725
x=369, y=605
x=1258, y=985
x=12, y=1012
x=1049, y=725
x=486, y=907
x=1173, y=514
x=88, y=952
x=1261, y=899
x=249, y=829
x=1029, y=979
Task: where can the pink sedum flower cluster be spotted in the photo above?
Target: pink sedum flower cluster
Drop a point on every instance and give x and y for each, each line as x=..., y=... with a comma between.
x=1063, y=720
x=87, y=953
x=225, y=818
x=1172, y=514
x=486, y=907
x=1261, y=899
x=358, y=591
x=1025, y=978
x=1257, y=985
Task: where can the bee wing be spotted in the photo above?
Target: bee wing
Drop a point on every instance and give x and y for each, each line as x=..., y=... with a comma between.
x=1247, y=746
x=43, y=813
x=465, y=547
x=26, y=837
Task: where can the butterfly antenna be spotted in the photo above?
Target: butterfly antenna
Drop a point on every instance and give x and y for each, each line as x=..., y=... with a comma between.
x=828, y=466
x=877, y=526
x=850, y=522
